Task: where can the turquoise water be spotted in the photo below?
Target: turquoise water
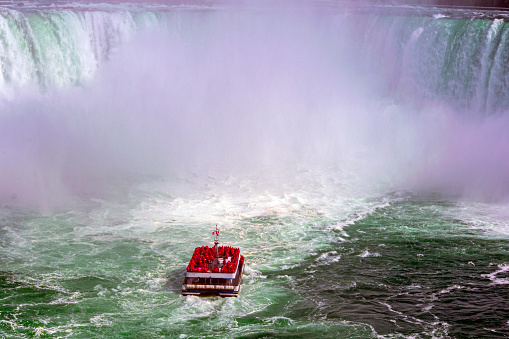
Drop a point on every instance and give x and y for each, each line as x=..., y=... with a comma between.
x=115, y=269
x=356, y=155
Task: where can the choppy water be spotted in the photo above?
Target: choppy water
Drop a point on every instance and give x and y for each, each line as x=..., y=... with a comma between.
x=390, y=266
x=356, y=155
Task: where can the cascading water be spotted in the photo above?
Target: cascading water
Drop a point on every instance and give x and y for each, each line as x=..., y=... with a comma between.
x=58, y=49
x=356, y=154
x=427, y=59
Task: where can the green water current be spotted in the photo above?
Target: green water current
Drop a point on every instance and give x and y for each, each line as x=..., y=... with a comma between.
x=413, y=267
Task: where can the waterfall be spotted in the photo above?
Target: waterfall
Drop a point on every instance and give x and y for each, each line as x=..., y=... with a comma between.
x=459, y=62
x=58, y=49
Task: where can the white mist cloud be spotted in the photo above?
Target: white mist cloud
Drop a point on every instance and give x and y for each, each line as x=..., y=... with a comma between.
x=241, y=90
x=221, y=92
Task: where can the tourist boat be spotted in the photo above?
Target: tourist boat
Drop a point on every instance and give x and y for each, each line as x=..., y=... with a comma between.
x=214, y=271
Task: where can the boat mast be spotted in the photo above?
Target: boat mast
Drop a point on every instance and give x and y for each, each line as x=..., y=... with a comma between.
x=216, y=242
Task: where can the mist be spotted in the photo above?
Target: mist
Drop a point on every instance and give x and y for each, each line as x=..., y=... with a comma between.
x=242, y=91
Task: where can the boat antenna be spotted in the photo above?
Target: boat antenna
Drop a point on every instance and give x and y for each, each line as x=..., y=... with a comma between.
x=216, y=241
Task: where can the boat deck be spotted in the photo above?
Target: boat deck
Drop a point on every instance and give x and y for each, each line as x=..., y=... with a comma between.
x=213, y=286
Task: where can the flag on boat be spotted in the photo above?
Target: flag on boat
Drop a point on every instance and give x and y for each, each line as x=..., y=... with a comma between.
x=216, y=232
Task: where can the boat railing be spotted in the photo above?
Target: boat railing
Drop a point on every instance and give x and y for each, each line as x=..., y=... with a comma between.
x=191, y=283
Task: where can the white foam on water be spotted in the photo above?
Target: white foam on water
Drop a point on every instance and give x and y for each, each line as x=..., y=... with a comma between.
x=329, y=257
x=367, y=253
x=451, y=288
x=489, y=219
x=502, y=268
